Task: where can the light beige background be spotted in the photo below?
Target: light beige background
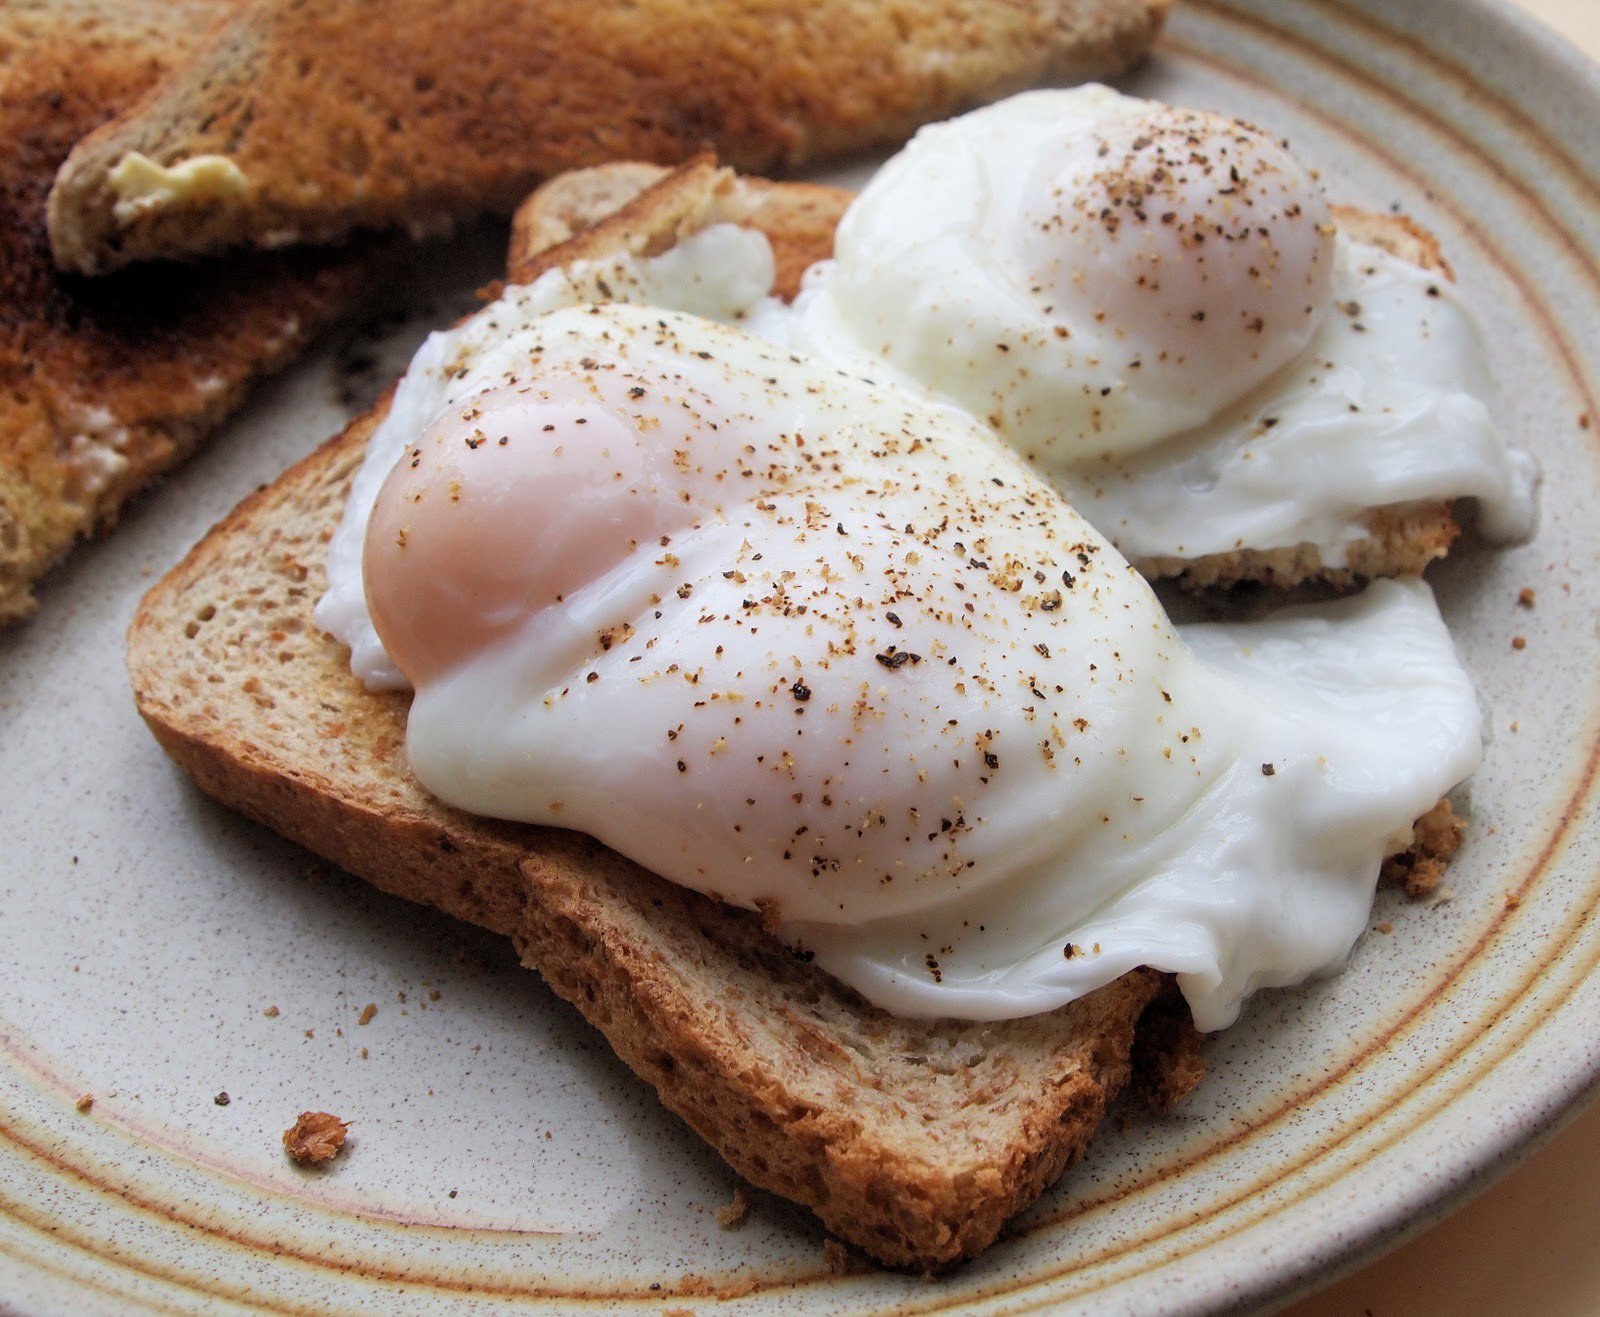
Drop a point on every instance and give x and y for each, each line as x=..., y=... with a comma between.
x=1531, y=1244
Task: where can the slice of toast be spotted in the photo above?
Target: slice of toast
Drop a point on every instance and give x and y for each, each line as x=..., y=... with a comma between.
x=315, y=117
x=915, y=1140
x=104, y=385
x=1401, y=539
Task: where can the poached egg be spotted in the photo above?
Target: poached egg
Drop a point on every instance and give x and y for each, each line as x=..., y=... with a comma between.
x=1155, y=307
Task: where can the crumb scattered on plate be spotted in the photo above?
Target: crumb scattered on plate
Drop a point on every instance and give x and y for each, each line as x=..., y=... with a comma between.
x=1435, y=838
x=315, y=1138
x=733, y=1213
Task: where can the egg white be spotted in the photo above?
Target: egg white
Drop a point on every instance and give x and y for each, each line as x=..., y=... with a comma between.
x=835, y=692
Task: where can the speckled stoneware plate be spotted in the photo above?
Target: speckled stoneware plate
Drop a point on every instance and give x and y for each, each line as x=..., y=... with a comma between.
x=500, y=1158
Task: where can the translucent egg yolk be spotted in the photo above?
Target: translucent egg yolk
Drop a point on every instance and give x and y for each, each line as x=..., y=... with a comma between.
x=506, y=506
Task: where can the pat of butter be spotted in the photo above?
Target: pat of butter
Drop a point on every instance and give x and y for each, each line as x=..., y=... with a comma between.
x=143, y=186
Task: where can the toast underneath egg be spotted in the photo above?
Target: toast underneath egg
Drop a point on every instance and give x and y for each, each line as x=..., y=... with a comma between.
x=915, y=1140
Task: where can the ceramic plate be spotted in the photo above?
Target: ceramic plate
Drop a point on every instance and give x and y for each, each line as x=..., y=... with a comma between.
x=160, y=953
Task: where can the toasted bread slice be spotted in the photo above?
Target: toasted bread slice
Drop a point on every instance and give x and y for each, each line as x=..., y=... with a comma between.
x=1401, y=539
x=915, y=1140
x=310, y=119
x=104, y=385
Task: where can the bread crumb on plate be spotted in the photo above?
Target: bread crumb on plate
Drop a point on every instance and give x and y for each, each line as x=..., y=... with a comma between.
x=316, y=1137
x=1435, y=838
x=733, y=1213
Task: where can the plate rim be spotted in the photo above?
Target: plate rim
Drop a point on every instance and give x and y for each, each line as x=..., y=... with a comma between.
x=1580, y=1077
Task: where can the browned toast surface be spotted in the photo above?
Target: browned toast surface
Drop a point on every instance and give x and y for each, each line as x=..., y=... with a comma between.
x=329, y=119
x=105, y=384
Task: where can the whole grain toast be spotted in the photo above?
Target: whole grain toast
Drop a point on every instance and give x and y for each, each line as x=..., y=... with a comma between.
x=105, y=384
x=1401, y=539
x=313, y=117
x=915, y=1140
